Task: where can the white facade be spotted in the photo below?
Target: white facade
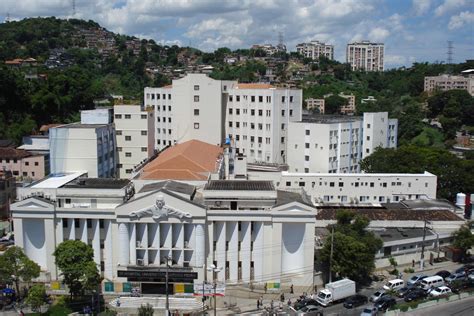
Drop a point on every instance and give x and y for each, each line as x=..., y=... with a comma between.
x=350, y=188
x=328, y=144
x=378, y=131
x=257, y=120
x=135, y=137
x=256, y=236
x=365, y=56
x=192, y=108
x=89, y=147
x=314, y=49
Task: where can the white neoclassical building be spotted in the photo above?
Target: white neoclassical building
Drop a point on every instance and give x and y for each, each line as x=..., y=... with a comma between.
x=256, y=233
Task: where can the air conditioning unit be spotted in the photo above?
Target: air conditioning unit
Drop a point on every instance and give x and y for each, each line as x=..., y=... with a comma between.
x=140, y=262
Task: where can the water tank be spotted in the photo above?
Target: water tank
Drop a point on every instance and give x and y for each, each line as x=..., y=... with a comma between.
x=461, y=200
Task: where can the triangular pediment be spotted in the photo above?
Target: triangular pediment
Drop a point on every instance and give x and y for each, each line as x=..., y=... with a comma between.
x=294, y=206
x=33, y=203
x=164, y=202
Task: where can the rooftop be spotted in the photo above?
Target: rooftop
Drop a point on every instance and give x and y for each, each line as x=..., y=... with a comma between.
x=97, y=183
x=170, y=186
x=13, y=153
x=56, y=180
x=284, y=197
x=254, y=86
x=236, y=185
x=329, y=119
x=393, y=234
x=191, y=160
x=79, y=125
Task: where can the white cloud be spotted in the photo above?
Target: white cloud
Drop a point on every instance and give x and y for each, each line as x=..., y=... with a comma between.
x=395, y=59
x=449, y=5
x=459, y=20
x=378, y=34
x=421, y=6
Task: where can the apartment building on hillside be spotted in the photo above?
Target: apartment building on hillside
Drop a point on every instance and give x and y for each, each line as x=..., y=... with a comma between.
x=336, y=144
x=134, y=129
x=257, y=120
x=447, y=82
x=314, y=49
x=192, y=107
x=365, y=56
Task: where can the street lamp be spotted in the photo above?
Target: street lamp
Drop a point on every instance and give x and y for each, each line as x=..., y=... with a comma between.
x=169, y=262
x=212, y=268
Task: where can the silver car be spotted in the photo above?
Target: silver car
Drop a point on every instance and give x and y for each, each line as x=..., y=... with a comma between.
x=377, y=296
x=369, y=311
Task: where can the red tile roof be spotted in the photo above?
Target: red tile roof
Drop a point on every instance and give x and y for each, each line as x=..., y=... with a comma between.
x=13, y=153
x=192, y=160
x=254, y=86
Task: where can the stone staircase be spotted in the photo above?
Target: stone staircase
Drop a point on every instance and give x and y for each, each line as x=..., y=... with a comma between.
x=175, y=303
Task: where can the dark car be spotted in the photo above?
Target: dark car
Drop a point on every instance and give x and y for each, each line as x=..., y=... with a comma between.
x=385, y=303
x=464, y=285
x=465, y=269
x=414, y=295
x=356, y=300
x=305, y=302
x=443, y=273
x=405, y=290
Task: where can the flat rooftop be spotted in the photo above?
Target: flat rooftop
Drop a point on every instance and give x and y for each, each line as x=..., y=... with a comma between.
x=79, y=125
x=97, y=183
x=398, y=233
x=56, y=180
x=329, y=119
x=235, y=185
x=383, y=214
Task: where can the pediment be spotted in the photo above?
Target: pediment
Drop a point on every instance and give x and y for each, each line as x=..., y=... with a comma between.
x=160, y=205
x=32, y=203
x=294, y=207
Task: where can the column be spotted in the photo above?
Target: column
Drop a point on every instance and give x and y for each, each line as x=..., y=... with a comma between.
x=83, y=230
x=233, y=252
x=200, y=246
x=124, y=244
x=72, y=228
x=245, y=250
x=108, y=251
x=209, y=253
x=180, y=242
x=220, y=249
x=257, y=253
x=18, y=228
x=133, y=243
x=50, y=246
x=59, y=231
x=96, y=241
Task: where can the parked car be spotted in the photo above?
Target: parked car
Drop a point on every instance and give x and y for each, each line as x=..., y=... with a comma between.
x=405, y=290
x=414, y=295
x=310, y=310
x=377, y=295
x=416, y=278
x=443, y=273
x=305, y=302
x=440, y=291
x=464, y=285
x=385, y=303
x=355, y=300
x=455, y=277
x=370, y=311
x=465, y=268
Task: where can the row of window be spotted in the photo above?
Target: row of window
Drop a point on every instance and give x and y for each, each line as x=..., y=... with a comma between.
x=27, y=163
x=158, y=96
x=163, y=108
x=24, y=173
x=268, y=113
x=253, y=98
x=356, y=184
x=143, y=133
x=158, y=119
x=129, y=116
x=129, y=154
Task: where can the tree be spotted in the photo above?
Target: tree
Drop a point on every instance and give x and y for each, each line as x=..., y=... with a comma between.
x=333, y=104
x=463, y=239
x=36, y=296
x=145, y=310
x=353, y=247
x=75, y=259
x=15, y=266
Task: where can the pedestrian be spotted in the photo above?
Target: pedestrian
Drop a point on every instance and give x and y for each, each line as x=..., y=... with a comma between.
x=258, y=303
x=282, y=297
x=291, y=289
x=265, y=287
x=289, y=302
x=271, y=305
x=413, y=263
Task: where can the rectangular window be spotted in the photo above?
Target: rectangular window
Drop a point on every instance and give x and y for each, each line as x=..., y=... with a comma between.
x=144, y=133
x=260, y=112
x=291, y=98
x=237, y=98
x=230, y=110
x=143, y=116
x=306, y=158
x=196, y=112
x=36, y=163
x=283, y=140
x=128, y=138
x=237, y=111
x=306, y=145
x=196, y=125
x=252, y=112
x=291, y=112
x=282, y=112
x=118, y=133
x=128, y=116
x=230, y=123
x=283, y=99
x=260, y=98
x=128, y=154
x=196, y=88
x=196, y=98
x=118, y=116
x=307, y=132
x=252, y=98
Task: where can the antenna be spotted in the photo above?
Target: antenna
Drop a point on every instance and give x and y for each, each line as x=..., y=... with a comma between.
x=449, y=61
x=7, y=19
x=73, y=7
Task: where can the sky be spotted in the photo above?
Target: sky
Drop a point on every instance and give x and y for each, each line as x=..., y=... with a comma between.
x=412, y=30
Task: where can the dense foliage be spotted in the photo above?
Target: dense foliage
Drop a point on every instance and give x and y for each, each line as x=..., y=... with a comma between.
x=463, y=239
x=354, y=248
x=75, y=259
x=16, y=267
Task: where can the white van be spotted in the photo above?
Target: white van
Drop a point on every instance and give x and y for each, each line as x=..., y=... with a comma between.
x=394, y=285
x=431, y=282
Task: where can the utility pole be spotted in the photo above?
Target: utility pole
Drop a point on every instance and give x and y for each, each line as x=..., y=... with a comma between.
x=422, y=258
x=332, y=251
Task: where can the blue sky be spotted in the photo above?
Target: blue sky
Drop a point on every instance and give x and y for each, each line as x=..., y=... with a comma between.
x=412, y=30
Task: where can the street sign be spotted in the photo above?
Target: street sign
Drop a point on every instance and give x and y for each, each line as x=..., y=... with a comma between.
x=208, y=289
